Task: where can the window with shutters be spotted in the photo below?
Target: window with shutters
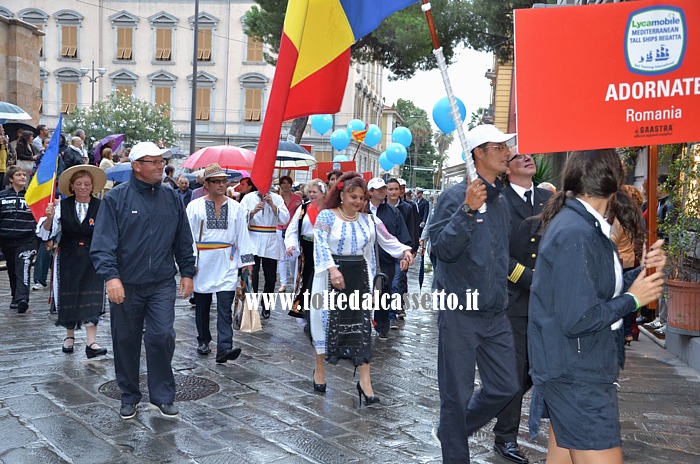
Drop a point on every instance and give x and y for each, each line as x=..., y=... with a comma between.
x=164, y=44
x=125, y=43
x=323, y=156
x=255, y=50
x=253, y=104
x=162, y=98
x=125, y=89
x=69, y=41
x=69, y=97
x=204, y=38
x=203, y=104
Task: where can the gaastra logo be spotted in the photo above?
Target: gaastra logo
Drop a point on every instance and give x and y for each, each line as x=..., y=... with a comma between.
x=655, y=40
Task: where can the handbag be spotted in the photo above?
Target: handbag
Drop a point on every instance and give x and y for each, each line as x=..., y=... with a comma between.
x=250, y=317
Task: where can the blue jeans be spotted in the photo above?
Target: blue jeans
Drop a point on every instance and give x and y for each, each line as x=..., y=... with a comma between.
x=41, y=264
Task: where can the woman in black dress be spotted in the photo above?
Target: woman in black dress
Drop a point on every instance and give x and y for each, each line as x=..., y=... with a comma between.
x=78, y=291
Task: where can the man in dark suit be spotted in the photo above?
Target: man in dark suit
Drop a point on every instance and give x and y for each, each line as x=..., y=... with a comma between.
x=396, y=190
x=525, y=201
x=394, y=223
x=423, y=208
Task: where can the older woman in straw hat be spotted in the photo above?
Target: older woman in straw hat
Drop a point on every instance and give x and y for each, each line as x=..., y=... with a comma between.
x=78, y=291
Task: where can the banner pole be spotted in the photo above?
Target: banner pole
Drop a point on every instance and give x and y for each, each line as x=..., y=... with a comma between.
x=442, y=66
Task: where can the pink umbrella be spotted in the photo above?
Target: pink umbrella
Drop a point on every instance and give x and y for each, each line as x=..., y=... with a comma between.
x=226, y=156
x=97, y=151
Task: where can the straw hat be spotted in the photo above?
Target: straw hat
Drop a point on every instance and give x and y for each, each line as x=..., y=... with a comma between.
x=99, y=179
x=214, y=170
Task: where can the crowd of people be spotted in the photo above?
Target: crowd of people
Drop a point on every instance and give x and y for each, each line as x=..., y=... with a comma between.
x=560, y=330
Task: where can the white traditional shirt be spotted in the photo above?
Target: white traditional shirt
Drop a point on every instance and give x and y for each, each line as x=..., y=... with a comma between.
x=222, y=245
x=263, y=226
x=80, y=208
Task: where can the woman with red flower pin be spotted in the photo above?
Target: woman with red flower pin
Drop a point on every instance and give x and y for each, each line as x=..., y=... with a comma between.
x=78, y=291
x=345, y=265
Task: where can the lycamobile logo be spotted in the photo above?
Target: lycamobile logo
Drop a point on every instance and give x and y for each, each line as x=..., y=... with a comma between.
x=662, y=22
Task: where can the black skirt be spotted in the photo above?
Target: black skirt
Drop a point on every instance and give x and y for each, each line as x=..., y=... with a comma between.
x=349, y=330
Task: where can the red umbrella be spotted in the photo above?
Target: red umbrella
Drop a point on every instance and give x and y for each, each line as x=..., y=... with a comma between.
x=226, y=155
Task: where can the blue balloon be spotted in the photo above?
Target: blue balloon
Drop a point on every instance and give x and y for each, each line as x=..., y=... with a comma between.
x=385, y=163
x=464, y=158
x=340, y=139
x=340, y=158
x=443, y=117
x=322, y=122
x=374, y=135
x=355, y=125
x=403, y=136
x=396, y=153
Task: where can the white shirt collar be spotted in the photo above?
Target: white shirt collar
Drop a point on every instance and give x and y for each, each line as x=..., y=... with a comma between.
x=605, y=226
x=521, y=191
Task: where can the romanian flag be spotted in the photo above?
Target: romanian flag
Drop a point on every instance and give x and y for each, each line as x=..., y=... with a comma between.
x=41, y=188
x=313, y=64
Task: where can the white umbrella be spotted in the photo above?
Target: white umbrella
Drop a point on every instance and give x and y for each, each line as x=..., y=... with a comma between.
x=10, y=111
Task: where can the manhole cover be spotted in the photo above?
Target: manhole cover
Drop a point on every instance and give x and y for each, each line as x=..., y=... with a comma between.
x=187, y=388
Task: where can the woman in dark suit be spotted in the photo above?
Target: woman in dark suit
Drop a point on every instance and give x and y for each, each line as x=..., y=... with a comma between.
x=578, y=299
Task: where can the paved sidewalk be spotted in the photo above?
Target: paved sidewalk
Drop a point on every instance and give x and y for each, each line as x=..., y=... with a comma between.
x=51, y=409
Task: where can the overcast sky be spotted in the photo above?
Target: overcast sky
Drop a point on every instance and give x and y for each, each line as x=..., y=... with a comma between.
x=468, y=84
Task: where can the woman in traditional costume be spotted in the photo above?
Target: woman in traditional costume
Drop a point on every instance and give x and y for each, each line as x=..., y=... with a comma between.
x=77, y=290
x=345, y=263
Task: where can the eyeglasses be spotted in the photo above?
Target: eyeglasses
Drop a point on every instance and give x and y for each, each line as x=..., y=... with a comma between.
x=518, y=157
x=217, y=181
x=499, y=147
x=154, y=162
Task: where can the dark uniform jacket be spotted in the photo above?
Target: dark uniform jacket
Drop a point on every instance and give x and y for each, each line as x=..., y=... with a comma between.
x=16, y=221
x=140, y=229
x=393, y=221
x=423, y=206
x=571, y=302
x=408, y=212
x=524, y=241
x=472, y=250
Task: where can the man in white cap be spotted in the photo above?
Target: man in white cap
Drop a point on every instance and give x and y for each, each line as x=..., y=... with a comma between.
x=223, y=245
x=393, y=221
x=141, y=231
x=472, y=252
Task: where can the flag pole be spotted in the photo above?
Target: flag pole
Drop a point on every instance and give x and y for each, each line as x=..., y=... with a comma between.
x=442, y=66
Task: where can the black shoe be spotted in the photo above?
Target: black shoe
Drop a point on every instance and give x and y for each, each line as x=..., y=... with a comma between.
x=402, y=314
x=167, y=410
x=22, y=306
x=203, y=349
x=510, y=451
x=265, y=313
x=94, y=352
x=192, y=302
x=368, y=399
x=127, y=411
x=13, y=305
x=68, y=349
x=319, y=387
x=383, y=335
x=228, y=355
x=394, y=324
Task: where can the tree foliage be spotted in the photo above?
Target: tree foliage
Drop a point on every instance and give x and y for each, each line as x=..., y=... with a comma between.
x=137, y=119
x=402, y=42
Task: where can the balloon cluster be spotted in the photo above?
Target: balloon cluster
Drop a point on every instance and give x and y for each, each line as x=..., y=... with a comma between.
x=356, y=130
x=396, y=151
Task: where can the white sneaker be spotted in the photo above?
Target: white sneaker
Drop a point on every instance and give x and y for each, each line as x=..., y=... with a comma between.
x=38, y=286
x=655, y=324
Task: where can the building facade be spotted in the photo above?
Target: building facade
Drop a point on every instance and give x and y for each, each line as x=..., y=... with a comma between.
x=146, y=49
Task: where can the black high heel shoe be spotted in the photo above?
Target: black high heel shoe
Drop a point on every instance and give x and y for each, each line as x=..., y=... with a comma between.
x=368, y=399
x=94, y=352
x=68, y=349
x=319, y=387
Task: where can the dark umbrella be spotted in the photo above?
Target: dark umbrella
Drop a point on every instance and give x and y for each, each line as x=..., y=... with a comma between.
x=421, y=273
x=11, y=129
x=119, y=172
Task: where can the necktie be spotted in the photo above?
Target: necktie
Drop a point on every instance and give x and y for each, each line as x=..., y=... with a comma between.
x=528, y=200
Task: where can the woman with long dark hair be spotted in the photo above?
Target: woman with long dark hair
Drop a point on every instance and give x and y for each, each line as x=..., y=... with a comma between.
x=345, y=264
x=579, y=297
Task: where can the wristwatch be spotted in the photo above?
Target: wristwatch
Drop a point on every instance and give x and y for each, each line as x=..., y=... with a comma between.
x=468, y=210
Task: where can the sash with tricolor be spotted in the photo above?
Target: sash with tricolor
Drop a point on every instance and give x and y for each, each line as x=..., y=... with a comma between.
x=263, y=229
x=201, y=246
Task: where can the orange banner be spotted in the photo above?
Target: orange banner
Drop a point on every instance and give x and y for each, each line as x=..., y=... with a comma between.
x=606, y=76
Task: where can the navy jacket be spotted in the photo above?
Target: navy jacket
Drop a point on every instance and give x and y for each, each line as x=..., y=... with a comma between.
x=572, y=304
x=472, y=251
x=141, y=230
x=393, y=221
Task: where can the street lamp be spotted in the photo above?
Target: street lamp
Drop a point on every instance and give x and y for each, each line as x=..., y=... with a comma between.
x=92, y=78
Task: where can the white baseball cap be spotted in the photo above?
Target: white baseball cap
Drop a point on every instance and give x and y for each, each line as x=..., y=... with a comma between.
x=376, y=183
x=401, y=181
x=142, y=149
x=486, y=133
